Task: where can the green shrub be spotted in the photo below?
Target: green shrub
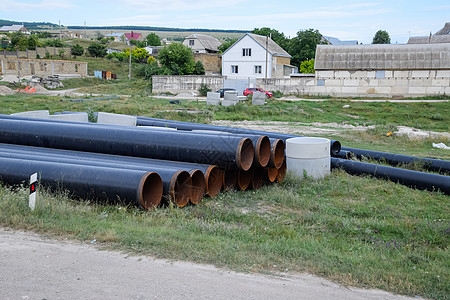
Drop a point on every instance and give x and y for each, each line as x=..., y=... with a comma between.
x=203, y=90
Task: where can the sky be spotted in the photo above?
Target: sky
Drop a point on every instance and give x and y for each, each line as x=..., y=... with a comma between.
x=344, y=19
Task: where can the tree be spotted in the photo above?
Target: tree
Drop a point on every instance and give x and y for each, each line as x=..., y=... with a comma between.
x=177, y=58
x=303, y=46
x=77, y=50
x=381, y=37
x=97, y=50
x=153, y=39
x=225, y=45
x=199, y=69
x=307, y=66
x=276, y=36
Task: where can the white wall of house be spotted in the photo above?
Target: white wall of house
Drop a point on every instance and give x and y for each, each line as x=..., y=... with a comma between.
x=246, y=64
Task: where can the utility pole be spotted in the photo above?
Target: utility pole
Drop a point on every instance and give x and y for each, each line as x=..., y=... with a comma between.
x=129, y=68
x=267, y=50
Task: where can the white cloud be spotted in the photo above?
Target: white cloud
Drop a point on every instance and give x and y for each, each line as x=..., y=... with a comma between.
x=177, y=5
x=12, y=5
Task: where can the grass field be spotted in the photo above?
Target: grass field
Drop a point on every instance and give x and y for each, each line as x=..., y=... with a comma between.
x=357, y=231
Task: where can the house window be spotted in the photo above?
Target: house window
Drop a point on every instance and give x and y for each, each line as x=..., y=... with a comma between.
x=246, y=52
x=191, y=42
x=258, y=69
x=234, y=69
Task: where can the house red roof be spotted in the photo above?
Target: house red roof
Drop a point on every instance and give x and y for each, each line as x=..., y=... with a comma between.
x=133, y=35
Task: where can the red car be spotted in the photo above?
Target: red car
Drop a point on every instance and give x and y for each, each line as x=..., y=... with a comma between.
x=251, y=90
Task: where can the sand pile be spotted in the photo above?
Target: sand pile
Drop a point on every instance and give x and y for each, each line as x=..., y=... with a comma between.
x=4, y=90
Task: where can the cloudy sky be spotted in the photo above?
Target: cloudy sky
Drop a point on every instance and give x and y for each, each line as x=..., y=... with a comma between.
x=344, y=19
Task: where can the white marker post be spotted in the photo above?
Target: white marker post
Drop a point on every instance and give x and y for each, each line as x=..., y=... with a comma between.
x=33, y=183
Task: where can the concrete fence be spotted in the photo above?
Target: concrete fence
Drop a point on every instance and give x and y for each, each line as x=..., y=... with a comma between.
x=185, y=84
x=381, y=83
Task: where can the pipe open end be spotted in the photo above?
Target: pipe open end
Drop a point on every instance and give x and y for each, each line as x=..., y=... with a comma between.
x=277, y=154
x=229, y=179
x=244, y=179
x=335, y=147
x=180, y=188
x=245, y=154
x=257, y=178
x=262, y=151
x=281, y=172
x=213, y=178
x=198, y=186
x=151, y=190
x=271, y=174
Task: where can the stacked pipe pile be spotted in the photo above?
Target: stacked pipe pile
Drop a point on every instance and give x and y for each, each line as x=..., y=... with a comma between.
x=135, y=165
x=341, y=159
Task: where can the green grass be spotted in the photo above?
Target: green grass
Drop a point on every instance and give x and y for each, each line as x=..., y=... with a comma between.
x=355, y=230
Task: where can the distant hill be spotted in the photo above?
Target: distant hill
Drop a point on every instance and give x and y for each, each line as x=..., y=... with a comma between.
x=30, y=25
x=150, y=28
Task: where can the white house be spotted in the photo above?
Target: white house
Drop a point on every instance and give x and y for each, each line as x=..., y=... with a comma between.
x=14, y=28
x=249, y=56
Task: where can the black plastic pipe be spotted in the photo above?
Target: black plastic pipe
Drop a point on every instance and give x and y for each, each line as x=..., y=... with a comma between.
x=420, y=180
x=212, y=173
x=88, y=182
x=225, y=152
x=177, y=184
x=436, y=165
x=335, y=146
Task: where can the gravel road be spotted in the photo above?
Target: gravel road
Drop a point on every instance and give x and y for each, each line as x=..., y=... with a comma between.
x=36, y=267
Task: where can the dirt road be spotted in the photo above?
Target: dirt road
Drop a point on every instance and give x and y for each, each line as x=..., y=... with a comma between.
x=34, y=267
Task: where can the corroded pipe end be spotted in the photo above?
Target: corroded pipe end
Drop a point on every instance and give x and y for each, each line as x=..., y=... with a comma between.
x=213, y=178
x=229, y=179
x=180, y=188
x=244, y=179
x=277, y=154
x=271, y=174
x=262, y=151
x=281, y=172
x=198, y=186
x=257, y=178
x=150, y=190
x=244, y=154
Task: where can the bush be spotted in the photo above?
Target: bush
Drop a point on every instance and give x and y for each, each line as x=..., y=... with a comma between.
x=54, y=43
x=97, y=50
x=307, y=66
x=77, y=50
x=199, y=69
x=277, y=94
x=203, y=90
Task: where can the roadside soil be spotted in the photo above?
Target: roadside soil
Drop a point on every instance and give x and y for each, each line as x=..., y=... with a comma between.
x=36, y=267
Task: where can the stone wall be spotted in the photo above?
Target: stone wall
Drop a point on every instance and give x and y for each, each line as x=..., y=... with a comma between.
x=36, y=53
x=211, y=62
x=295, y=85
x=41, y=67
x=185, y=84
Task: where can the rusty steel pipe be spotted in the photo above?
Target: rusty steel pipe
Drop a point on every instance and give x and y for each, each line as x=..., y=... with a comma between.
x=276, y=153
x=271, y=174
x=175, y=183
x=244, y=179
x=282, y=172
x=226, y=152
x=103, y=184
x=335, y=146
x=212, y=173
x=230, y=178
x=198, y=186
x=257, y=178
